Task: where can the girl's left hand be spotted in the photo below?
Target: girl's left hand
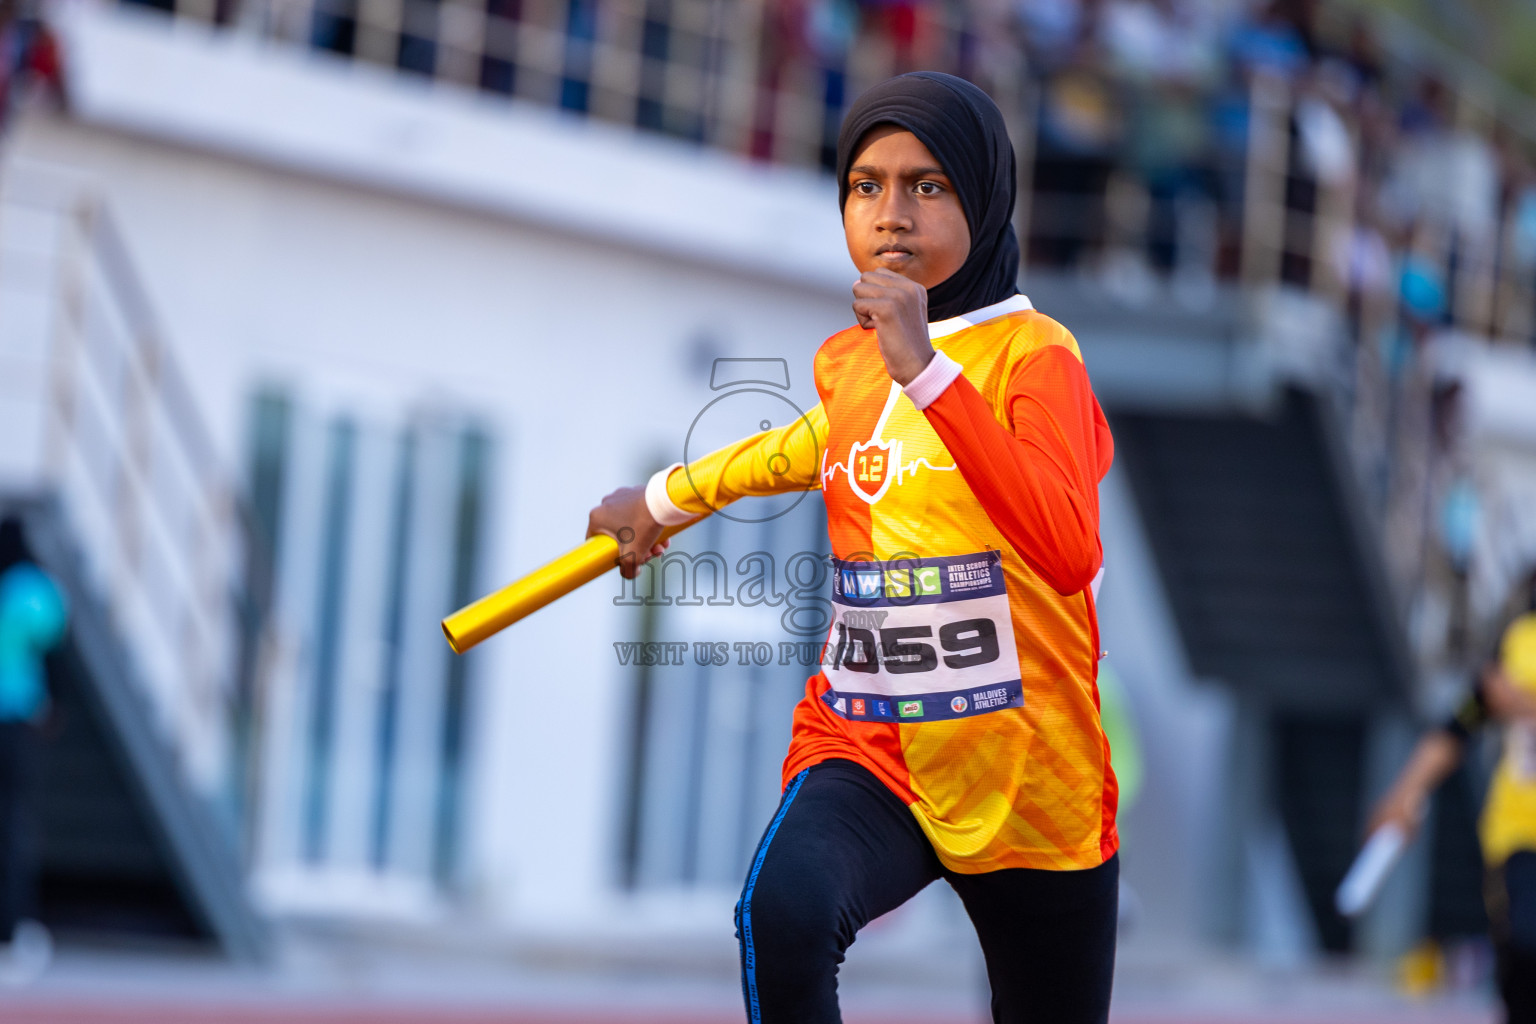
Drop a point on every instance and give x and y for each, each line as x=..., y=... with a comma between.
x=897, y=309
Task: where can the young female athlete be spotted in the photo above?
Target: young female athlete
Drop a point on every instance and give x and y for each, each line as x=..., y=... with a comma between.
x=958, y=447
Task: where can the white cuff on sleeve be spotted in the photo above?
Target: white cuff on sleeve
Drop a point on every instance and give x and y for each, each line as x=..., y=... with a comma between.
x=662, y=508
x=927, y=386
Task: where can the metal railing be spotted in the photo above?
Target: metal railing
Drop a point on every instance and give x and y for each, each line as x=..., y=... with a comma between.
x=1440, y=280
x=163, y=537
x=765, y=79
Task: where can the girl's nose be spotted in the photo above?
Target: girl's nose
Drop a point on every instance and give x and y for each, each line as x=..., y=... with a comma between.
x=893, y=215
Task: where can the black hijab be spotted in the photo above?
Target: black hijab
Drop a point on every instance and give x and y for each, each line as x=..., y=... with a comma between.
x=964, y=130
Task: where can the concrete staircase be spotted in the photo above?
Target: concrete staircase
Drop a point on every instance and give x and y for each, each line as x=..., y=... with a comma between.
x=108, y=468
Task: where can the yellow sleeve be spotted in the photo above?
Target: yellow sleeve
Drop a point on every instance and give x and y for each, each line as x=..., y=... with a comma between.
x=787, y=458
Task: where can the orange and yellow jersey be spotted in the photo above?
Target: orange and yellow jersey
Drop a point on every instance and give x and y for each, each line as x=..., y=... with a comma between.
x=961, y=661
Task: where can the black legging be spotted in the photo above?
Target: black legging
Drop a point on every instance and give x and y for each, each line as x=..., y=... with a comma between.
x=842, y=850
x=1512, y=909
x=19, y=749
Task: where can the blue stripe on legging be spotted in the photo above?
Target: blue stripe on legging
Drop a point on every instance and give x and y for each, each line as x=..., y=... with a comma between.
x=749, y=955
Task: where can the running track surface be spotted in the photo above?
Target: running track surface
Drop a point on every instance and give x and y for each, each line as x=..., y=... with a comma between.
x=60, y=1011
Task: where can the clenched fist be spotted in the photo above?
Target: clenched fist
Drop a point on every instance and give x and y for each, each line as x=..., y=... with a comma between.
x=896, y=308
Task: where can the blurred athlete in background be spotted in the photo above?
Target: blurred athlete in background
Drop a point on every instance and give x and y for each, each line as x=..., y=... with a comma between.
x=1505, y=694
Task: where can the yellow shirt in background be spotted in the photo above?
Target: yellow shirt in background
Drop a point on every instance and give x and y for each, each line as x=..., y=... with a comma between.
x=1509, y=817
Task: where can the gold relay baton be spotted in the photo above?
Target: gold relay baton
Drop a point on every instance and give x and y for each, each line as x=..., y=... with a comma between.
x=549, y=582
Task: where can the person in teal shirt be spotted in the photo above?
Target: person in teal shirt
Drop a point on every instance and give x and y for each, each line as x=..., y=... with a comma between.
x=33, y=616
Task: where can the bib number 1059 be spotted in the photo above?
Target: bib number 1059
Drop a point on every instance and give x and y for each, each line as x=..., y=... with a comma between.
x=921, y=639
x=900, y=650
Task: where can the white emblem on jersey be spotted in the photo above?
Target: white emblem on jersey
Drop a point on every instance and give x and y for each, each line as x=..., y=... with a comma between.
x=874, y=464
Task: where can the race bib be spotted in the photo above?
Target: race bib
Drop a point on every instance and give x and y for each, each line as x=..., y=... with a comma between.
x=921, y=640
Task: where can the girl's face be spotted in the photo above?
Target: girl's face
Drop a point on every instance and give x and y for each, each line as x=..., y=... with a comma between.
x=902, y=212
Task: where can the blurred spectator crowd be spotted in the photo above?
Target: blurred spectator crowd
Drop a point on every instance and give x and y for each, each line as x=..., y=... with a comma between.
x=1143, y=114
x=29, y=56
x=1294, y=146
x=1146, y=125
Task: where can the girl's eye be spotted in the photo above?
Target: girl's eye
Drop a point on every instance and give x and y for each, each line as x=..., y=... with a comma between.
x=865, y=188
x=929, y=188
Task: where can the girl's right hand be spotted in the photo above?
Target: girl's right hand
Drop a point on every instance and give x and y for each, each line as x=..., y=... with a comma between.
x=624, y=516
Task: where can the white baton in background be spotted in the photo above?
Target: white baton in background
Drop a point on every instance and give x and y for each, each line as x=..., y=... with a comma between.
x=1370, y=870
